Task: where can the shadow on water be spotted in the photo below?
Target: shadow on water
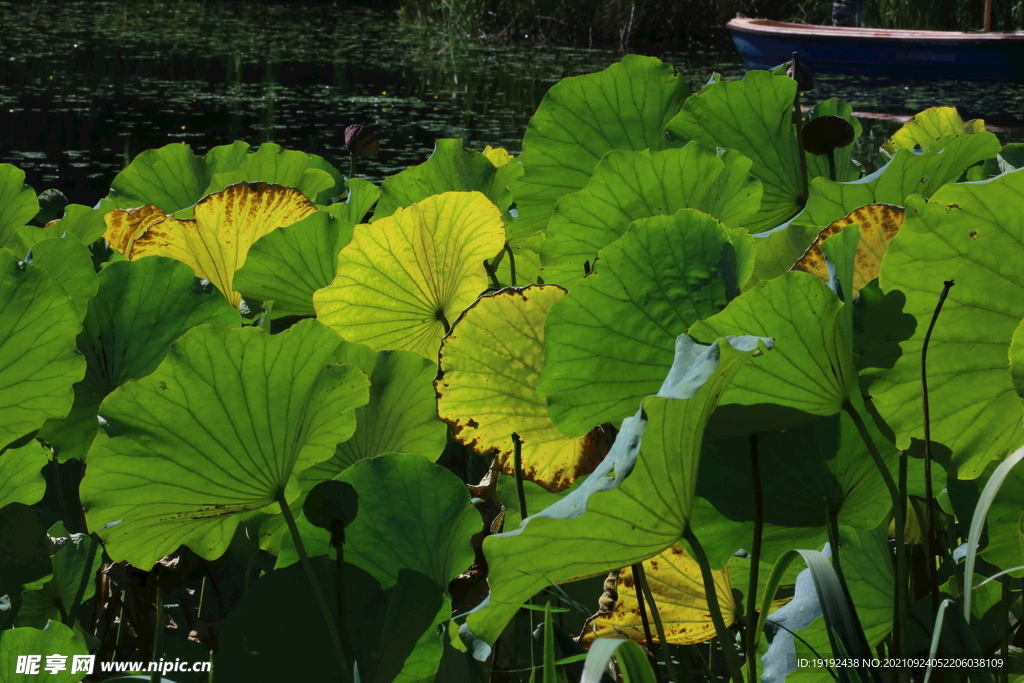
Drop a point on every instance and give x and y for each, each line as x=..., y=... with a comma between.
x=87, y=85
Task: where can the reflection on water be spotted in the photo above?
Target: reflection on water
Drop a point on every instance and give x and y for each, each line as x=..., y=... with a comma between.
x=90, y=83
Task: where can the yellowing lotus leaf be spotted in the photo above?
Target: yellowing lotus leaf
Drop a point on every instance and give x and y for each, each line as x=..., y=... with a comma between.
x=678, y=589
x=490, y=365
x=216, y=241
x=930, y=125
x=498, y=156
x=878, y=223
x=402, y=279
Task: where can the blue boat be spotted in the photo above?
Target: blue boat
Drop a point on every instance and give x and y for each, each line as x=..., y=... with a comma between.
x=764, y=44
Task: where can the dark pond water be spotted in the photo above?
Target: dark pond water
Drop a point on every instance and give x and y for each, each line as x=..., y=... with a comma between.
x=87, y=84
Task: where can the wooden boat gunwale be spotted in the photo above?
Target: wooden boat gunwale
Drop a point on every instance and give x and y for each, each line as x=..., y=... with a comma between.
x=768, y=27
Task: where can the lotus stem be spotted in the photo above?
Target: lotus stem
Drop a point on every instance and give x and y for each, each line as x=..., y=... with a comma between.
x=637, y=570
x=351, y=165
x=933, y=577
x=511, y=265
x=517, y=471
x=300, y=548
x=493, y=276
x=755, y=561
x=900, y=592
x=656, y=615
x=721, y=630
x=158, y=635
x=831, y=154
x=86, y=575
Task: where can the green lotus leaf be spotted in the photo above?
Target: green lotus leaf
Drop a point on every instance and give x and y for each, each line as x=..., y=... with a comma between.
x=70, y=262
x=401, y=416
x=38, y=360
x=755, y=117
x=929, y=125
x=172, y=177
x=54, y=597
x=288, y=264
x=274, y=164
x=635, y=504
x=362, y=195
x=82, y=222
x=808, y=473
x=611, y=341
x=905, y=174
x=221, y=428
x=1005, y=547
x=18, y=203
x=451, y=168
x=20, y=478
x=580, y=119
x=55, y=638
x=968, y=233
x=140, y=309
x=489, y=368
x=627, y=186
x=402, y=280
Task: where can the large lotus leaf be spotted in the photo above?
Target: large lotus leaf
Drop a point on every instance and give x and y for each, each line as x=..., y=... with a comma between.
x=486, y=390
x=677, y=585
x=627, y=186
x=972, y=234
x=70, y=262
x=362, y=195
x=54, y=596
x=929, y=125
x=216, y=241
x=1005, y=547
x=635, y=504
x=580, y=119
x=807, y=374
x=611, y=341
x=20, y=478
x=56, y=638
x=451, y=168
x=18, y=203
x=755, y=117
x=288, y=264
x=402, y=280
x=878, y=224
x=220, y=429
x=807, y=473
x=140, y=309
x=172, y=177
x=907, y=173
x=273, y=164
x=83, y=222
x=38, y=360
x=401, y=416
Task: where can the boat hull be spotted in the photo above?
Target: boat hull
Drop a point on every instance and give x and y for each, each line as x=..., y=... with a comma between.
x=909, y=54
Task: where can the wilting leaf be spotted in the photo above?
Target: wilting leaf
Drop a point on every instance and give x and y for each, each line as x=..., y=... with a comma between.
x=678, y=588
x=18, y=203
x=216, y=241
x=38, y=360
x=220, y=429
x=489, y=368
x=580, y=119
x=878, y=223
x=20, y=477
x=402, y=280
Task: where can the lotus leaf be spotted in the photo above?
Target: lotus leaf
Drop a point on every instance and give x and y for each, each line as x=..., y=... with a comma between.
x=627, y=186
x=929, y=125
x=20, y=478
x=451, y=168
x=140, y=309
x=38, y=360
x=70, y=262
x=611, y=341
x=55, y=638
x=362, y=195
x=635, y=504
x=498, y=156
x=220, y=429
x=580, y=119
x=489, y=368
x=968, y=233
x=216, y=242
x=18, y=203
x=83, y=222
x=289, y=264
x=53, y=597
x=273, y=164
x=678, y=588
x=402, y=280
x=1005, y=547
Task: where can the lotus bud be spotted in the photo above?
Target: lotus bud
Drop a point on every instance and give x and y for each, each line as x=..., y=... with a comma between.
x=361, y=141
x=800, y=73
